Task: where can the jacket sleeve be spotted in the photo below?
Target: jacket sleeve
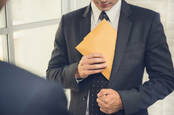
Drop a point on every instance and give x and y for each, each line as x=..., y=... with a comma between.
x=59, y=68
x=159, y=67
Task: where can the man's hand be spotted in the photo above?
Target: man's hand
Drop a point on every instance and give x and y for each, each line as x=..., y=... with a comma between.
x=109, y=101
x=91, y=64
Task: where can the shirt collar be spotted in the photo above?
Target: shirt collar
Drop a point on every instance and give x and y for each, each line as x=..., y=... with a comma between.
x=112, y=13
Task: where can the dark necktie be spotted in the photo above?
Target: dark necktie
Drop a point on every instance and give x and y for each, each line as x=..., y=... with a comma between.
x=103, y=15
x=98, y=82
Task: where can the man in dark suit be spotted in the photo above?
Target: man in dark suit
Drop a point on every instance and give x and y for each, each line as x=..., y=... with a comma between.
x=22, y=93
x=141, y=43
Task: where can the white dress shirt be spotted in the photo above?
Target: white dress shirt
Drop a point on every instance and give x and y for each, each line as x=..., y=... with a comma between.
x=113, y=14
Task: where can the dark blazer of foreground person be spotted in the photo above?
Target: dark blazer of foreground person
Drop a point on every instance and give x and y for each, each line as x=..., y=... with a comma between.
x=22, y=93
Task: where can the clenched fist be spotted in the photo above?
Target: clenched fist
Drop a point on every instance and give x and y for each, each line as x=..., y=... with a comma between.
x=109, y=101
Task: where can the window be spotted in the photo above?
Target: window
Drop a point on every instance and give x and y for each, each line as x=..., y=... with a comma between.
x=2, y=47
x=33, y=48
x=27, y=11
x=30, y=32
x=2, y=18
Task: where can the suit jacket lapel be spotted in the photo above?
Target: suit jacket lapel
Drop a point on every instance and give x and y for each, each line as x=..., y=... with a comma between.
x=124, y=28
x=83, y=28
x=85, y=23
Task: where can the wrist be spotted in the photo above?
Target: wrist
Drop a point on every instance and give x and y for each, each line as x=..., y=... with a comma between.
x=77, y=75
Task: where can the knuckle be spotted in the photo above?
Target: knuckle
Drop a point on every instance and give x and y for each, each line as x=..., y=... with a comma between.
x=85, y=73
x=106, y=106
x=107, y=100
x=92, y=61
x=95, y=66
x=96, y=71
x=96, y=60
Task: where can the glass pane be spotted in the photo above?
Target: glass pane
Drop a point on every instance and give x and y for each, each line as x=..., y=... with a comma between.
x=2, y=46
x=27, y=11
x=33, y=48
x=2, y=18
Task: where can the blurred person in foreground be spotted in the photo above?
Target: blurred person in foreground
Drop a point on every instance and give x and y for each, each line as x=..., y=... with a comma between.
x=23, y=93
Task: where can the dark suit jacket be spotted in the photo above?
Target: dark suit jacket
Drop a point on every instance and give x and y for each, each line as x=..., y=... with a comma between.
x=22, y=93
x=141, y=43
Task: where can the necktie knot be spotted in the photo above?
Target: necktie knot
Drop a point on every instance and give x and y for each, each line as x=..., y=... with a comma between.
x=103, y=15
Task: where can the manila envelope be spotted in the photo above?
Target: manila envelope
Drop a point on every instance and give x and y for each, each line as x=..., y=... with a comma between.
x=102, y=39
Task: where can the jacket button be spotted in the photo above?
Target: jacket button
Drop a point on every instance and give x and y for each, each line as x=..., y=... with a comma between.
x=84, y=98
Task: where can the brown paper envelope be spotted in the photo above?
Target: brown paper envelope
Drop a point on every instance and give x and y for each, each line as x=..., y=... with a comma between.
x=102, y=39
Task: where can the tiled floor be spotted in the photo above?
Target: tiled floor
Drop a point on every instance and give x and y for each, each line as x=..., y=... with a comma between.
x=165, y=8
